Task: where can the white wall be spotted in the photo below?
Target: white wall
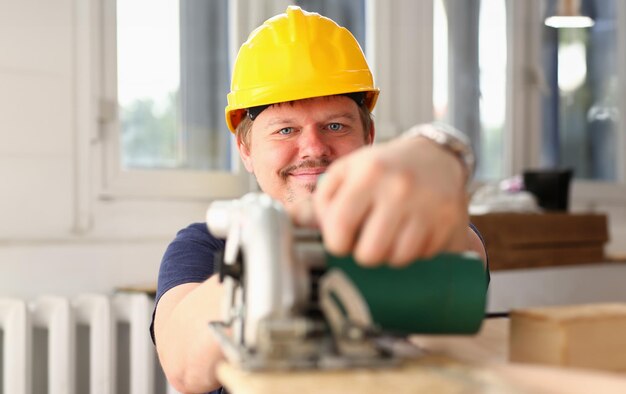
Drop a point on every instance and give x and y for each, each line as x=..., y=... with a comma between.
x=47, y=244
x=36, y=125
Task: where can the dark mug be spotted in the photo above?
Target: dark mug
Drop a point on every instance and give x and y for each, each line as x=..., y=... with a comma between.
x=550, y=187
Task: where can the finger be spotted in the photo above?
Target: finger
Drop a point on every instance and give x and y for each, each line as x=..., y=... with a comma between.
x=410, y=241
x=302, y=213
x=442, y=224
x=380, y=229
x=437, y=242
x=377, y=236
x=342, y=220
x=346, y=211
x=329, y=184
x=456, y=240
x=459, y=240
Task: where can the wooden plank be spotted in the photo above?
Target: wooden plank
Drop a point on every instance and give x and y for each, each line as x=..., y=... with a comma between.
x=528, y=229
x=453, y=364
x=516, y=240
x=502, y=259
x=435, y=373
x=428, y=375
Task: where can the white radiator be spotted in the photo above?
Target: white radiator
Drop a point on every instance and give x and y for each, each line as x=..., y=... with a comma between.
x=60, y=318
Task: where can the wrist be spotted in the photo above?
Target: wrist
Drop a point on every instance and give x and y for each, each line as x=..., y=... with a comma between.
x=449, y=139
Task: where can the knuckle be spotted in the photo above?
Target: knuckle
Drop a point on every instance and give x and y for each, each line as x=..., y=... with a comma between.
x=402, y=184
x=338, y=234
x=400, y=254
x=374, y=167
x=400, y=259
x=335, y=246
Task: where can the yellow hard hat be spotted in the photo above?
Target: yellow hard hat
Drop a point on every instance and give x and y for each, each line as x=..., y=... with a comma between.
x=293, y=56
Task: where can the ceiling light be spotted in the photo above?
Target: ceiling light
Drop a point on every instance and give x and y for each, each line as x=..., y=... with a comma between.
x=568, y=14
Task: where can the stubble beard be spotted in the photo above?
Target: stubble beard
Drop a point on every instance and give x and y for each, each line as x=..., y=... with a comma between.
x=291, y=194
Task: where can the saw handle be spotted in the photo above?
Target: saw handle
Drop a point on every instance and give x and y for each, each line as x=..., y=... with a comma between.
x=443, y=295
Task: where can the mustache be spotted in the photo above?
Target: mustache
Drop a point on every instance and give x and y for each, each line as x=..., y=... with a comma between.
x=317, y=163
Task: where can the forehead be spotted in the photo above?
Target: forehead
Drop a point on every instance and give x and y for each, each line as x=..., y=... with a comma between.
x=316, y=101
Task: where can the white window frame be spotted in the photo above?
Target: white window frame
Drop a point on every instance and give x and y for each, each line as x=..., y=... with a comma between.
x=406, y=94
x=103, y=198
x=116, y=182
x=402, y=68
x=395, y=111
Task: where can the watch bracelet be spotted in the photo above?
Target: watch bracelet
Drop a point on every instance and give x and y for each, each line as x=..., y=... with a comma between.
x=449, y=139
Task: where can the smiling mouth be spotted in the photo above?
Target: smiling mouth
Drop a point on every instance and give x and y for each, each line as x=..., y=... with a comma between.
x=308, y=174
x=306, y=171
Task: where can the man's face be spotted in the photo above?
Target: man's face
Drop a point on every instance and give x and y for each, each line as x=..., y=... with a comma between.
x=291, y=144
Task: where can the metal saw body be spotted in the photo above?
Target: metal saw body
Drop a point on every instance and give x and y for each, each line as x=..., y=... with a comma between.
x=289, y=304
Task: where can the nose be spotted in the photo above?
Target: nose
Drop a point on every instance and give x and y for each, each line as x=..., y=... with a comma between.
x=313, y=143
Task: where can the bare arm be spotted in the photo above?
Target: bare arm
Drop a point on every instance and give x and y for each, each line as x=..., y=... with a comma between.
x=187, y=351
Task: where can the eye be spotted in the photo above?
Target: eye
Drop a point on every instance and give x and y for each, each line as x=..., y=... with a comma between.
x=285, y=131
x=335, y=126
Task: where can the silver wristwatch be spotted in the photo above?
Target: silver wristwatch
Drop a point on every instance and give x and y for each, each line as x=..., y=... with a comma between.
x=450, y=139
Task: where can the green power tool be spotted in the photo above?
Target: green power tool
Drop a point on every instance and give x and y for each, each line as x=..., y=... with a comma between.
x=289, y=304
x=442, y=295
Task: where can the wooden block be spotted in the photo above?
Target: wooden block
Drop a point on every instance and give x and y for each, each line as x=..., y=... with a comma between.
x=586, y=336
x=515, y=230
x=527, y=240
x=514, y=258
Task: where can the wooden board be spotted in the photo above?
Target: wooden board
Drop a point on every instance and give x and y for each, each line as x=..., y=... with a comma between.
x=454, y=364
x=518, y=240
x=428, y=375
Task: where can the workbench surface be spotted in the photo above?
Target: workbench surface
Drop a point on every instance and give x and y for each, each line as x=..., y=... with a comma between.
x=452, y=364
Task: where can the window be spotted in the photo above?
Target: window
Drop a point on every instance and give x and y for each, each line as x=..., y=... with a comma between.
x=173, y=78
x=470, y=75
x=581, y=100
x=347, y=13
x=492, y=64
x=172, y=68
x=168, y=74
x=165, y=79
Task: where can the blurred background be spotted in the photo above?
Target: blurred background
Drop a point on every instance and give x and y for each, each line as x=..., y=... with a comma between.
x=113, y=133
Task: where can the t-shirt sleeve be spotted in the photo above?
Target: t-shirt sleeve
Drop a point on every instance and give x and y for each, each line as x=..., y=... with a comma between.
x=187, y=259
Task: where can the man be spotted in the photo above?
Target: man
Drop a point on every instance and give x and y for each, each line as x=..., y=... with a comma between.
x=300, y=105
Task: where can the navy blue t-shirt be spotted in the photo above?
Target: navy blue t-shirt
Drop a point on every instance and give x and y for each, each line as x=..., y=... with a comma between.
x=188, y=259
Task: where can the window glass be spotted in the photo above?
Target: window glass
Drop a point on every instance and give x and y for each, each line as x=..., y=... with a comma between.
x=469, y=75
x=172, y=84
x=492, y=62
x=440, y=61
x=347, y=13
x=580, y=106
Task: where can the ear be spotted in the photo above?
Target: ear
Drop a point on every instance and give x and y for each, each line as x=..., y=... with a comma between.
x=244, y=153
x=371, y=134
